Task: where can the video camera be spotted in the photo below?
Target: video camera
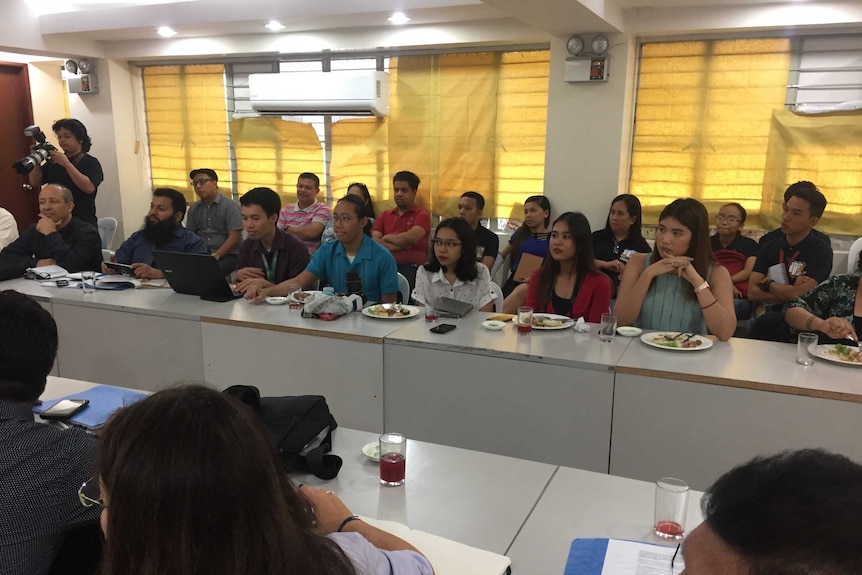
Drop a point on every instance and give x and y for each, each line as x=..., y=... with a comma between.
x=41, y=151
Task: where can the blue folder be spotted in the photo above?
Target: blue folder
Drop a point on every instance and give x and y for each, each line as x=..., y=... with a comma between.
x=586, y=557
x=104, y=400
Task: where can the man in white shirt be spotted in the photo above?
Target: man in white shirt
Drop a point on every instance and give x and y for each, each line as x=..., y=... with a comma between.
x=8, y=228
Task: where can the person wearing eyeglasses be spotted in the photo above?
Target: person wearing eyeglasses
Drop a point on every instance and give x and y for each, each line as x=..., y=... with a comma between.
x=41, y=466
x=452, y=270
x=354, y=189
x=735, y=252
x=352, y=252
x=215, y=218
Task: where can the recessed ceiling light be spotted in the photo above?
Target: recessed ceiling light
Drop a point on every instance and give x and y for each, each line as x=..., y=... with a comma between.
x=275, y=25
x=399, y=18
x=166, y=32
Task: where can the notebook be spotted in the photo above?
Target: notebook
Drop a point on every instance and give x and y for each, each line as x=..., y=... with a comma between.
x=195, y=274
x=619, y=557
x=449, y=307
x=104, y=400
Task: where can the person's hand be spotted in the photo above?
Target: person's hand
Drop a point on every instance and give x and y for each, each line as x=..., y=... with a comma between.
x=804, y=280
x=59, y=158
x=687, y=272
x=614, y=266
x=329, y=510
x=143, y=271
x=107, y=270
x=248, y=273
x=251, y=288
x=45, y=262
x=669, y=265
x=737, y=294
x=45, y=225
x=838, y=328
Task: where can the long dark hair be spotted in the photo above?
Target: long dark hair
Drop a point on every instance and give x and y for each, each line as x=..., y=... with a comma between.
x=693, y=215
x=366, y=198
x=193, y=485
x=465, y=269
x=522, y=233
x=582, y=235
x=633, y=207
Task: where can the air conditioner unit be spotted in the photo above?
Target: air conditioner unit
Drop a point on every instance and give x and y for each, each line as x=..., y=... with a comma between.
x=353, y=93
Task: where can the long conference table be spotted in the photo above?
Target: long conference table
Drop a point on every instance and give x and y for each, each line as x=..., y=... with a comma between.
x=526, y=510
x=556, y=397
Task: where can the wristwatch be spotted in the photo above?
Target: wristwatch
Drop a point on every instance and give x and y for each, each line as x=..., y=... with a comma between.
x=217, y=257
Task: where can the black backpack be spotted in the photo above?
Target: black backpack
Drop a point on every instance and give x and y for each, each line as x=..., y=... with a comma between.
x=301, y=428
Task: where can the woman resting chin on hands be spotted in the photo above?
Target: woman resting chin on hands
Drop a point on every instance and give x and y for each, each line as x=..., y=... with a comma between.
x=680, y=287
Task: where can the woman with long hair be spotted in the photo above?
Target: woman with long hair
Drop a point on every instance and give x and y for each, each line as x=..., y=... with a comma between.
x=680, y=287
x=531, y=238
x=452, y=270
x=355, y=189
x=620, y=239
x=191, y=484
x=568, y=282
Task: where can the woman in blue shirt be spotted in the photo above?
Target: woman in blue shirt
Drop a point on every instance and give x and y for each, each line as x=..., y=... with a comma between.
x=531, y=238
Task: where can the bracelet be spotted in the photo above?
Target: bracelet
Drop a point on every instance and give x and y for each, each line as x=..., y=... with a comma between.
x=715, y=301
x=809, y=321
x=348, y=520
x=701, y=287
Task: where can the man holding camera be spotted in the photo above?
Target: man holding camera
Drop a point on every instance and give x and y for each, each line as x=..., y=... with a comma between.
x=73, y=168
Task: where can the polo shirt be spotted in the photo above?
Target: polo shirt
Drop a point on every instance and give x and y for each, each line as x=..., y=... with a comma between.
x=373, y=262
x=606, y=248
x=85, y=204
x=390, y=222
x=487, y=241
x=292, y=255
x=812, y=251
x=293, y=215
x=139, y=250
x=213, y=222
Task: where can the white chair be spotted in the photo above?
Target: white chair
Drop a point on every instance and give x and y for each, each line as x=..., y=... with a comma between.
x=853, y=255
x=108, y=255
x=497, y=294
x=107, y=229
x=404, y=288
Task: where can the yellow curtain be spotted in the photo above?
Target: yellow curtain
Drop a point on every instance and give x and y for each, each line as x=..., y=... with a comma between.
x=825, y=149
x=703, y=120
x=272, y=152
x=361, y=154
x=187, y=124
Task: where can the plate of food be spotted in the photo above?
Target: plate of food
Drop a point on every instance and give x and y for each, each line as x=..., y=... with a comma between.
x=840, y=353
x=301, y=296
x=391, y=311
x=549, y=321
x=684, y=341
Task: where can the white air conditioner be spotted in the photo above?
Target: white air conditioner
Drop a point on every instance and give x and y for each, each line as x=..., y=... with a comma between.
x=353, y=93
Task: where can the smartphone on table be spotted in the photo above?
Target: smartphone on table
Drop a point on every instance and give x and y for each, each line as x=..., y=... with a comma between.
x=442, y=328
x=64, y=409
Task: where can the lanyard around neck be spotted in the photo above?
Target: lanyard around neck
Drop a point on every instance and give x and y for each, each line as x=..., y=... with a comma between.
x=269, y=268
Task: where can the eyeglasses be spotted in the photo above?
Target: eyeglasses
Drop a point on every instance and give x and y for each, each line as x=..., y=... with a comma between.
x=201, y=181
x=90, y=493
x=336, y=219
x=728, y=219
x=448, y=244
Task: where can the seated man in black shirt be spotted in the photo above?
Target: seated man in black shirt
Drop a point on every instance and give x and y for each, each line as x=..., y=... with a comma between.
x=58, y=238
x=806, y=260
x=74, y=168
x=470, y=208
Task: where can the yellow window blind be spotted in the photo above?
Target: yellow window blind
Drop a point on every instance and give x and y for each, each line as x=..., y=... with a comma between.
x=187, y=124
x=702, y=121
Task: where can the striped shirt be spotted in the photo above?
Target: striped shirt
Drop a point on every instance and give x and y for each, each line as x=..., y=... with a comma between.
x=294, y=216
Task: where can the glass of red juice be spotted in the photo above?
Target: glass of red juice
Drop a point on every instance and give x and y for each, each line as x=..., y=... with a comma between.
x=393, y=459
x=671, y=503
x=431, y=313
x=525, y=320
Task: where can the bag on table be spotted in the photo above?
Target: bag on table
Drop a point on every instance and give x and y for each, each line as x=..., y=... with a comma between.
x=301, y=427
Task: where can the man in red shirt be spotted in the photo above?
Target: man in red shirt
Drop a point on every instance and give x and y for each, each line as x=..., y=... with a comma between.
x=404, y=230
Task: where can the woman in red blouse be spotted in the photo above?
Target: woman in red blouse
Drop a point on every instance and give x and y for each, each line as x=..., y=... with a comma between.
x=568, y=283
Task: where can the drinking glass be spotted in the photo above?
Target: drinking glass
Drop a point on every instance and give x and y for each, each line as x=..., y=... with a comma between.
x=393, y=459
x=431, y=313
x=294, y=296
x=806, y=342
x=525, y=320
x=608, y=328
x=88, y=282
x=671, y=504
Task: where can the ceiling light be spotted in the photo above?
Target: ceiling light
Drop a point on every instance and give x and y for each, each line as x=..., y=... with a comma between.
x=399, y=18
x=166, y=32
x=275, y=25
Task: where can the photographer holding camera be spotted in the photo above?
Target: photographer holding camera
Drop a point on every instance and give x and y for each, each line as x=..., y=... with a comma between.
x=73, y=168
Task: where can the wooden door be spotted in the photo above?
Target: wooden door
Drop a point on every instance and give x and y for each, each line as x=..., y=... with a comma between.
x=16, y=113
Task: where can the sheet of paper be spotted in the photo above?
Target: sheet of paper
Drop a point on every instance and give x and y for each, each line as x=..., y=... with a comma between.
x=632, y=558
x=778, y=274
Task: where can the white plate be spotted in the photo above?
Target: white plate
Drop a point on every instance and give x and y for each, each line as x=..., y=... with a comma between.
x=412, y=309
x=493, y=325
x=372, y=451
x=629, y=331
x=568, y=322
x=292, y=297
x=648, y=338
x=825, y=352
x=276, y=300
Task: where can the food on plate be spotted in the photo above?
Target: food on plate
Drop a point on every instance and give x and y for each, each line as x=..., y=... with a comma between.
x=388, y=310
x=846, y=353
x=683, y=340
x=544, y=321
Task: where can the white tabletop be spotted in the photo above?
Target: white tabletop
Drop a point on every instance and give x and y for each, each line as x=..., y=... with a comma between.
x=583, y=504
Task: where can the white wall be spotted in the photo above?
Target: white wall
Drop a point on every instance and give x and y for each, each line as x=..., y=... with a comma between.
x=20, y=31
x=46, y=94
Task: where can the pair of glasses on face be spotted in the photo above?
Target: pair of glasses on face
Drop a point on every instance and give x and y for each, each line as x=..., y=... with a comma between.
x=201, y=181
x=728, y=219
x=90, y=494
x=345, y=219
x=448, y=244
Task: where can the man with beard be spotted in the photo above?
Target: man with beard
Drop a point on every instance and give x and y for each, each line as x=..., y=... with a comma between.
x=163, y=231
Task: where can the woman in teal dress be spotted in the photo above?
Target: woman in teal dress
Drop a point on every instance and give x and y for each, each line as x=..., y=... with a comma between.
x=679, y=287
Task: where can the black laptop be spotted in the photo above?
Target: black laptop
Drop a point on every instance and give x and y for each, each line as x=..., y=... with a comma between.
x=448, y=307
x=195, y=274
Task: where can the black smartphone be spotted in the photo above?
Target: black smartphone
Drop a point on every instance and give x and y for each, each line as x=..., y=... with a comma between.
x=124, y=269
x=64, y=408
x=443, y=328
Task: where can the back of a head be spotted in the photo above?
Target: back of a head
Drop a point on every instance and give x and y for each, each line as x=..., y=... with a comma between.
x=810, y=193
x=193, y=485
x=266, y=198
x=28, y=346
x=795, y=513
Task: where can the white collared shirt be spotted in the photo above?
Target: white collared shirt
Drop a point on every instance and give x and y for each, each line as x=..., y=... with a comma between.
x=431, y=286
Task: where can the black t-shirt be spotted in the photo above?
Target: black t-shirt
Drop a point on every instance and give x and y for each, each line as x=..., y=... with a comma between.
x=812, y=251
x=487, y=241
x=777, y=233
x=606, y=249
x=85, y=204
x=744, y=245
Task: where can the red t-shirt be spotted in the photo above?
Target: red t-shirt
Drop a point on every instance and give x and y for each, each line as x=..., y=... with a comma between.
x=593, y=299
x=389, y=222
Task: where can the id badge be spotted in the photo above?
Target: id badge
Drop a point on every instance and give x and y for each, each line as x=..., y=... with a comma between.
x=796, y=268
x=626, y=255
